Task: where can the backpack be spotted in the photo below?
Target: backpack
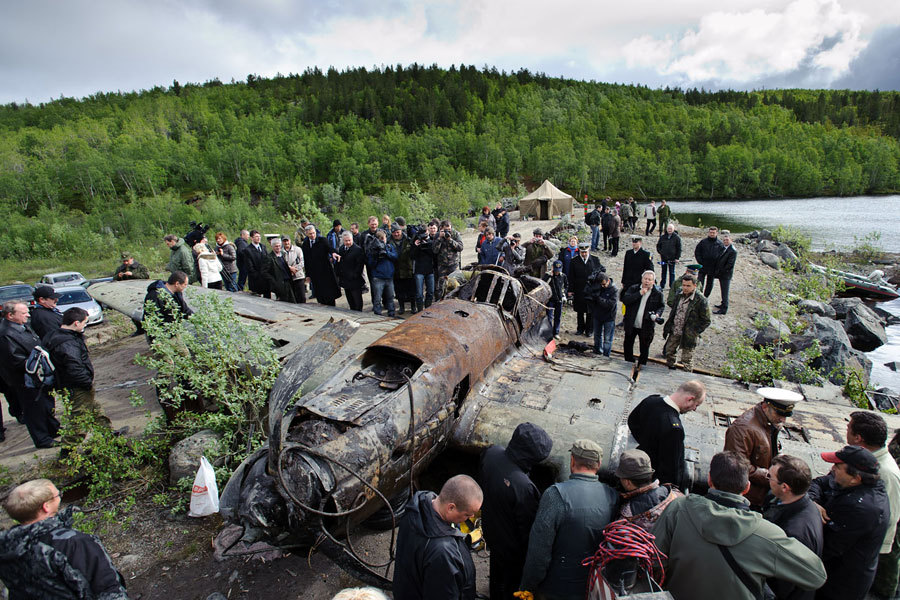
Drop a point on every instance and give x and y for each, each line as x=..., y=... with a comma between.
x=39, y=369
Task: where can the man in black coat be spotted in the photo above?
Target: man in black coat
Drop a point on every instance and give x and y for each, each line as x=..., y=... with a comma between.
x=255, y=262
x=45, y=317
x=168, y=297
x=317, y=257
x=643, y=309
x=724, y=272
x=656, y=425
x=581, y=267
x=349, y=269
x=603, y=297
x=792, y=510
x=510, y=504
x=240, y=245
x=592, y=220
x=34, y=407
x=669, y=249
x=853, y=500
x=278, y=273
x=433, y=559
x=74, y=370
x=637, y=261
x=707, y=253
x=607, y=220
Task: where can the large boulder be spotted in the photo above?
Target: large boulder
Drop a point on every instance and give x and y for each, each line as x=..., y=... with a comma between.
x=811, y=307
x=842, y=305
x=772, y=332
x=770, y=260
x=184, y=458
x=766, y=246
x=887, y=319
x=764, y=234
x=864, y=328
x=836, y=350
x=784, y=252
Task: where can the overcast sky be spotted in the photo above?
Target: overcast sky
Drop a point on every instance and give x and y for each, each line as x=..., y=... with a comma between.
x=74, y=48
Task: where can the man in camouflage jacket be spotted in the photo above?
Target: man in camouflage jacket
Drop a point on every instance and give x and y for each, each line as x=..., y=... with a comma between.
x=447, y=249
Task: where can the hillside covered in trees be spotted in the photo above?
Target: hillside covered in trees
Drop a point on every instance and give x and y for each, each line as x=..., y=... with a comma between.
x=116, y=166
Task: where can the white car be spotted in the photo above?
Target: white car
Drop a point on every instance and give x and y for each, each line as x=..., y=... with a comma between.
x=75, y=295
x=66, y=278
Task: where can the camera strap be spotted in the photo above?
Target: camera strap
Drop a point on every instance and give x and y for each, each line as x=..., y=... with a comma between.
x=745, y=578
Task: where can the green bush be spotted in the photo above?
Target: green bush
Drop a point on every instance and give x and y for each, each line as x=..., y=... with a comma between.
x=797, y=241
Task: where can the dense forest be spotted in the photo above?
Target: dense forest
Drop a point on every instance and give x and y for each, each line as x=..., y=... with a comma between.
x=114, y=166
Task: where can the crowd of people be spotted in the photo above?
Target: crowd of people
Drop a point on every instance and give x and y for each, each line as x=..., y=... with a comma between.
x=764, y=529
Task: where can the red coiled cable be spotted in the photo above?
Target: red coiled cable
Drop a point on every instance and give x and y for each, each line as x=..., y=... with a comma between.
x=622, y=539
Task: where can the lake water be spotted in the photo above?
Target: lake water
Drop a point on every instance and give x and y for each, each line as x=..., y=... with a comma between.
x=829, y=222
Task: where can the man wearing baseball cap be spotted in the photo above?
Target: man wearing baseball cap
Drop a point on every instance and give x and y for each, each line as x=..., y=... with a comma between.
x=754, y=435
x=856, y=513
x=644, y=499
x=45, y=317
x=568, y=527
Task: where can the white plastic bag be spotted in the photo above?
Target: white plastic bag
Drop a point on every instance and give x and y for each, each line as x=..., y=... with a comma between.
x=205, y=493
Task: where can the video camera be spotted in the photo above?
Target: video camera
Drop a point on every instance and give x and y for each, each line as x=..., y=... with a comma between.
x=197, y=233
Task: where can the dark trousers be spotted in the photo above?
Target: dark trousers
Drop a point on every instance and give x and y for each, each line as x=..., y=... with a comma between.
x=354, y=298
x=585, y=322
x=242, y=279
x=651, y=225
x=724, y=288
x=555, y=314
x=613, y=246
x=299, y=288
x=703, y=275
x=667, y=267
x=606, y=240
x=502, y=229
x=505, y=574
x=37, y=407
x=645, y=337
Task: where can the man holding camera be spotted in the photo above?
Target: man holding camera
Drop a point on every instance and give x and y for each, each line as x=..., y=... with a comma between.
x=537, y=254
x=447, y=249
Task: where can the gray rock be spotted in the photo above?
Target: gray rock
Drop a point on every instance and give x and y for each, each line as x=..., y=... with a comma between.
x=764, y=234
x=184, y=459
x=795, y=370
x=842, y=305
x=864, y=328
x=836, y=350
x=770, y=260
x=765, y=246
x=887, y=319
x=774, y=331
x=799, y=343
x=805, y=307
x=893, y=365
x=784, y=252
x=885, y=398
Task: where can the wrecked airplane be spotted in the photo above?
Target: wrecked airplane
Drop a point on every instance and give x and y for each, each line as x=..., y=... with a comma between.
x=363, y=405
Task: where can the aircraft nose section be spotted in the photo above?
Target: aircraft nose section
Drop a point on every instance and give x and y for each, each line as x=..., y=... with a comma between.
x=305, y=480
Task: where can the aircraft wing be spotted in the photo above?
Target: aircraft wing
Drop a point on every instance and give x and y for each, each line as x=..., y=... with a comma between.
x=576, y=397
x=289, y=325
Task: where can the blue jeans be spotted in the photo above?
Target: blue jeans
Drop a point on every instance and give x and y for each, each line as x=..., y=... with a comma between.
x=595, y=237
x=603, y=335
x=555, y=314
x=668, y=266
x=383, y=287
x=427, y=282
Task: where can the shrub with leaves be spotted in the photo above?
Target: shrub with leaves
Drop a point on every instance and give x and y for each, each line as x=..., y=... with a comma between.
x=798, y=241
x=218, y=367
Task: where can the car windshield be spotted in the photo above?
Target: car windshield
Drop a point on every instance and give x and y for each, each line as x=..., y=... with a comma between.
x=14, y=291
x=74, y=297
x=66, y=278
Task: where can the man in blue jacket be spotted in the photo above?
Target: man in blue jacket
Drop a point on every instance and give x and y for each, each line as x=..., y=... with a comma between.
x=381, y=258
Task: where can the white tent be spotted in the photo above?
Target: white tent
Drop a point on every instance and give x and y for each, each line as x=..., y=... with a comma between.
x=546, y=202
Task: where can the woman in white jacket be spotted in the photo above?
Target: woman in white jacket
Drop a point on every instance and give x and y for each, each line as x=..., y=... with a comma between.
x=210, y=268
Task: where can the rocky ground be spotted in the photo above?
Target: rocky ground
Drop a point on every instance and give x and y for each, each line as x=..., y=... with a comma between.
x=164, y=556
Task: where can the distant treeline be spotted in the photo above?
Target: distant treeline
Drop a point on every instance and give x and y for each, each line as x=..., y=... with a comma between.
x=325, y=141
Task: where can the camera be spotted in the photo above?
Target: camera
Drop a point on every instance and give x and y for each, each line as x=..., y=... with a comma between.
x=197, y=233
x=659, y=320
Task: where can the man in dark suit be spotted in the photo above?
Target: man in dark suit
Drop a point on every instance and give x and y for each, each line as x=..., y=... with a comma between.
x=255, y=257
x=580, y=268
x=637, y=261
x=349, y=269
x=724, y=272
x=45, y=317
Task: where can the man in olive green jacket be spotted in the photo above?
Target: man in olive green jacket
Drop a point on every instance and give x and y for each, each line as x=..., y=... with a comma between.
x=688, y=318
x=709, y=540
x=182, y=259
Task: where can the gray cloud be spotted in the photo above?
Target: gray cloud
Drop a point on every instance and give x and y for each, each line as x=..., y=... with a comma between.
x=878, y=66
